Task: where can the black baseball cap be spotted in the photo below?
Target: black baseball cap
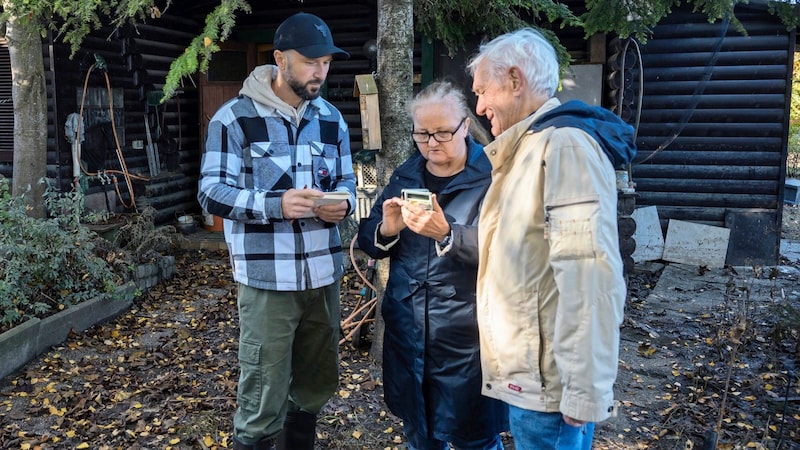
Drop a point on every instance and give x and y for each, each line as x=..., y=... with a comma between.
x=307, y=34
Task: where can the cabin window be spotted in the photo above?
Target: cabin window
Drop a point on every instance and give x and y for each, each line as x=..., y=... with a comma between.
x=228, y=66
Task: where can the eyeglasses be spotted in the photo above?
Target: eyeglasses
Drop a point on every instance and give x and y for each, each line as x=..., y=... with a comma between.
x=439, y=136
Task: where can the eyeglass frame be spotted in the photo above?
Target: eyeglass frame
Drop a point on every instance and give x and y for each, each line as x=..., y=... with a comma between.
x=428, y=136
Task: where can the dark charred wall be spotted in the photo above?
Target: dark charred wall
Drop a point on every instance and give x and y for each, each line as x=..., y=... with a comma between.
x=132, y=64
x=713, y=124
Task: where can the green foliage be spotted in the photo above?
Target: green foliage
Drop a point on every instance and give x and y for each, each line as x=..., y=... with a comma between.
x=48, y=264
x=451, y=21
x=218, y=26
x=794, y=113
x=793, y=159
x=73, y=20
x=787, y=11
x=140, y=238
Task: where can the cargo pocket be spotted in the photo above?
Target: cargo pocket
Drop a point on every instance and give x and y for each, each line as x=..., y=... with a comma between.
x=249, y=388
x=569, y=227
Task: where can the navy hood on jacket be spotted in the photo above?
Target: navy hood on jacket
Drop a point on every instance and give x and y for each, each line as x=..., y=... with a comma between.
x=612, y=133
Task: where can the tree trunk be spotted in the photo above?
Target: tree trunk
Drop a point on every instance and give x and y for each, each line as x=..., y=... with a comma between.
x=395, y=89
x=30, y=110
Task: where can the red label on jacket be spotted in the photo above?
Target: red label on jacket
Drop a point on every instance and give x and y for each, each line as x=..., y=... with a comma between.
x=514, y=387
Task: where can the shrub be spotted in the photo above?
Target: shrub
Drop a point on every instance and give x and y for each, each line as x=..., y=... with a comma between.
x=46, y=264
x=793, y=159
x=140, y=238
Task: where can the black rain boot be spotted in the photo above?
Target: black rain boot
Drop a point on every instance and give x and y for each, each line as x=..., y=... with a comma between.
x=264, y=444
x=299, y=431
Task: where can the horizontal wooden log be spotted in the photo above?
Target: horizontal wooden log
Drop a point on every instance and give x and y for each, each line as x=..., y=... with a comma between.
x=713, y=130
x=745, y=115
x=696, y=151
x=706, y=101
x=716, y=87
x=711, y=186
x=707, y=172
x=675, y=73
x=705, y=200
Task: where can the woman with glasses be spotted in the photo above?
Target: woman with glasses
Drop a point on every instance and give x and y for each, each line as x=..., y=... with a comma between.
x=431, y=359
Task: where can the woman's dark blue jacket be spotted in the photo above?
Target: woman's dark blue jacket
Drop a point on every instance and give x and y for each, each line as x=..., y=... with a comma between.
x=431, y=359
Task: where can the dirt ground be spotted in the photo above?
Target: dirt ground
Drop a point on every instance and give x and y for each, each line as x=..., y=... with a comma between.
x=163, y=376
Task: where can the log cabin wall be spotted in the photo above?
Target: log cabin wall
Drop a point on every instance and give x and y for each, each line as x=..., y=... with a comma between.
x=713, y=125
x=711, y=130
x=136, y=60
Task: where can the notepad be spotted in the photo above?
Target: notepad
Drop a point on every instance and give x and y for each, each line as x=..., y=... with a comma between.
x=331, y=198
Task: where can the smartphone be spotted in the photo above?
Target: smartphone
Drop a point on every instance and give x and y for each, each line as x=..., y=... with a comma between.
x=421, y=197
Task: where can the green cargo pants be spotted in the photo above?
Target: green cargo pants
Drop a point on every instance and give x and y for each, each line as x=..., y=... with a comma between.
x=288, y=356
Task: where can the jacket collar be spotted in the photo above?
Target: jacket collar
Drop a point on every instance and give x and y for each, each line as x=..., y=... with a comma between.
x=503, y=148
x=476, y=171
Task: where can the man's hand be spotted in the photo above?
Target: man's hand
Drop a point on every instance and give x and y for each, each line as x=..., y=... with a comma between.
x=298, y=203
x=573, y=422
x=333, y=213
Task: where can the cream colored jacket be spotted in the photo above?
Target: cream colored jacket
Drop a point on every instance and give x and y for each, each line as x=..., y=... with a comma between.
x=550, y=286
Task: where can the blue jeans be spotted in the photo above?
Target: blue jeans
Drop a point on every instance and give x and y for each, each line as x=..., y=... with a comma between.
x=418, y=442
x=533, y=430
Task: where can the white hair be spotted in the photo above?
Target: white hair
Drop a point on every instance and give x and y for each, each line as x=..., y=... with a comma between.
x=527, y=49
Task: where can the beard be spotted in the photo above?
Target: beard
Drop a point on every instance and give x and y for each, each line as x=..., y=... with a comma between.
x=306, y=91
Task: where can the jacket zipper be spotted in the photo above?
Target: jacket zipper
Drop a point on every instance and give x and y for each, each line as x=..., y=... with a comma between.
x=549, y=208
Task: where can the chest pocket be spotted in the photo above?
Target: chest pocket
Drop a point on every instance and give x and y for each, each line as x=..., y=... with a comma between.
x=325, y=171
x=272, y=165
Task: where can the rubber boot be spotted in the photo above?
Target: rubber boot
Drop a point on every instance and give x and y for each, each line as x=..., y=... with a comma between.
x=299, y=431
x=264, y=444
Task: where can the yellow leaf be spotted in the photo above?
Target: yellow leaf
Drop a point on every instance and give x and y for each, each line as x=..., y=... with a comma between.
x=208, y=440
x=82, y=445
x=175, y=441
x=206, y=41
x=114, y=334
x=768, y=387
x=71, y=433
x=25, y=446
x=356, y=434
x=344, y=394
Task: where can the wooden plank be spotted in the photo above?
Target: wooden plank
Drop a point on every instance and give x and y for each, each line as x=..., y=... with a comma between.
x=648, y=236
x=692, y=243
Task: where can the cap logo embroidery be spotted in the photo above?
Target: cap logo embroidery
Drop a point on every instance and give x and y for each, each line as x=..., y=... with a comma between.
x=321, y=29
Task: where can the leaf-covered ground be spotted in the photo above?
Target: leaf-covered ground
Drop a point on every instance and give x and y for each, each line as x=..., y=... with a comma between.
x=164, y=376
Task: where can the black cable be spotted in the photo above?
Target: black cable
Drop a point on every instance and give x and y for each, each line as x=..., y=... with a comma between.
x=696, y=94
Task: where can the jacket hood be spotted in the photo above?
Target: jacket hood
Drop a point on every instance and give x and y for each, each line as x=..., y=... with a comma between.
x=258, y=86
x=613, y=135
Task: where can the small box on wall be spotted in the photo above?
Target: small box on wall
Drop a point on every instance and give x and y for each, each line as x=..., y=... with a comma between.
x=366, y=89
